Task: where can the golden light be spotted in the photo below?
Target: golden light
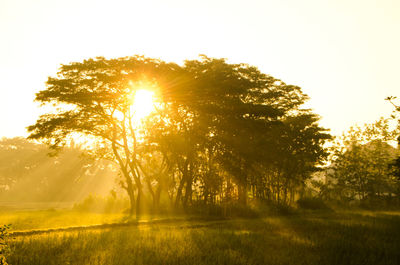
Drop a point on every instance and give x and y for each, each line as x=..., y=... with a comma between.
x=142, y=105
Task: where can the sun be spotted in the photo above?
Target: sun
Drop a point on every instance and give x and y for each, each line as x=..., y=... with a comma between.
x=143, y=104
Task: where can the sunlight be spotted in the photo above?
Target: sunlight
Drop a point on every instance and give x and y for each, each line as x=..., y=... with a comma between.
x=142, y=105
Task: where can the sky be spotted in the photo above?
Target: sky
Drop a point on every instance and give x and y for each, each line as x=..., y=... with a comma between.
x=343, y=53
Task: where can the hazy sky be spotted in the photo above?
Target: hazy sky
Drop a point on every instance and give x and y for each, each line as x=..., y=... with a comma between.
x=345, y=54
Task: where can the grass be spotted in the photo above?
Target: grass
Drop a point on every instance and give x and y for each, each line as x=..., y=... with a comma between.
x=50, y=219
x=309, y=238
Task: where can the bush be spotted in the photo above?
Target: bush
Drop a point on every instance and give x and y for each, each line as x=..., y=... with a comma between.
x=103, y=204
x=380, y=203
x=4, y=248
x=222, y=210
x=312, y=203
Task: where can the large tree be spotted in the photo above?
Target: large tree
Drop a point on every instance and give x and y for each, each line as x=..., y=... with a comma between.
x=95, y=98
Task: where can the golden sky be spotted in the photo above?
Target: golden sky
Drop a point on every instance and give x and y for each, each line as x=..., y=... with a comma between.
x=345, y=54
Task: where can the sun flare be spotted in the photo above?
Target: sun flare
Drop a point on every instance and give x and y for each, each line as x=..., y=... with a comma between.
x=143, y=104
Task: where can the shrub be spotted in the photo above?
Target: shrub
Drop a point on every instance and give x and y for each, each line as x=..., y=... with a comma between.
x=222, y=210
x=312, y=203
x=4, y=248
x=103, y=204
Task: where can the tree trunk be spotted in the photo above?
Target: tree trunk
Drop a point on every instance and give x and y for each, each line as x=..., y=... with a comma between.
x=132, y=200
x=138, y=203
x=156, y=202
x=179, y=192
x=182, y=182
x=188, y=191
x=242, y=193
x=130, y=190
x=152, y=193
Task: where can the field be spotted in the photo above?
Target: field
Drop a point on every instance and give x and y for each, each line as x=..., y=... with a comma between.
x=306, y=238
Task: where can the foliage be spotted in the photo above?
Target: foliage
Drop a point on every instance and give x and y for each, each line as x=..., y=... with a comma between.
x=360, y=164
x=312, y=203
x=396, y=163
x=226, y=210
x=4, y=247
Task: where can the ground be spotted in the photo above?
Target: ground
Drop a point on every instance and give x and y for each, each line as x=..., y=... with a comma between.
x=301, y=238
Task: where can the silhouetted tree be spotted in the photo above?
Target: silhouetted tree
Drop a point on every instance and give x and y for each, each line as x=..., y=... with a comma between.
x=95, y=98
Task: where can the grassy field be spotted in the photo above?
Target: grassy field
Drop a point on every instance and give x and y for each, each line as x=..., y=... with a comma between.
x=307, y=238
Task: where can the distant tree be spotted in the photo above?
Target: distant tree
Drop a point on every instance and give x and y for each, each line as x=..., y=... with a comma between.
x=27, y=173
x=396, y=162
x=17, y=158
x=360, y=166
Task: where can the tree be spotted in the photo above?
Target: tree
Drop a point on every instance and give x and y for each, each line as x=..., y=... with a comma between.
x=300, y=153
x=360, y=165
x=95, y=98
x=396, y=163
